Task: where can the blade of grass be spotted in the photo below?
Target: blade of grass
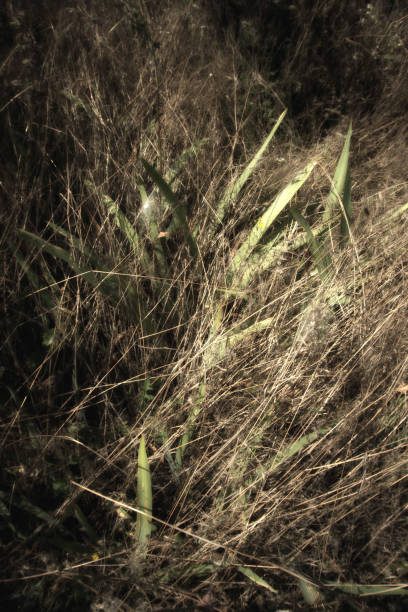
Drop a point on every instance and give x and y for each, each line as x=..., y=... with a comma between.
x=214, y=353
x=399, y=211
x=171, y=178
x=366, y=589
x=178, y=210
x=124, y=226
x=322, y=260
x=310, y=594
x=109, y=285
x=131, y=234
x=45, y=295
x=77, y=103
x=60, y=253
x=271, y=252
x=264, y=223
x=78, y=244
x=218, y=346
x=292, y=449
x=232, y=192
x=346, y=214
x=339, y=179
x=83, y=521
x=171, y=175
x=36, y=511
x=244, y=252
x=191, y=421
x=249, y=573
x=149, y=217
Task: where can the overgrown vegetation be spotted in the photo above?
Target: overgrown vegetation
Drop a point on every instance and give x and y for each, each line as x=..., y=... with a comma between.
x=204, y=341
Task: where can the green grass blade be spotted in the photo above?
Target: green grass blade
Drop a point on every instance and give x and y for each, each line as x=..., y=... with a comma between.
x=171, y=175
x=346, y=214
x=104, y=280
x=77, y=244
x=46, y=295
x=106, y=285
x=83, y=521
x=110, y=286
x=264, y=223
x=310, y=594
x=178, y=210
x=288, y=452
x=125, y=227
x=249, y=573
x=151, y=213
x=399, y=211
x=232, y=192
x=365, y=589
x=323, y=261
x=149, y=218
x=218, y=347
x=132, y=236
x=191, y=421
x=56, y=251
x=127, y=230
x=36, y=511
x=298, y=446
x=144, y=496
x=291, y=450
x=31, y=275
x=339, y=179
x=270, y=253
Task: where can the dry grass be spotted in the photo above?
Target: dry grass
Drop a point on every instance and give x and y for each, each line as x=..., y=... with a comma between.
x=295, y=457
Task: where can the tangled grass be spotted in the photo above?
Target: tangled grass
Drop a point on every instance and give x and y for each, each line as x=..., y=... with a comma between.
x=204, y=354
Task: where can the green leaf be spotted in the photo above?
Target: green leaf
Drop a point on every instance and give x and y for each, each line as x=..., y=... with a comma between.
x=48, y=337
x=78, y=103
x=102, y=279
x=46, y=295
x=86, y=273
x=366, y=589
x=323, y=261
x=270, y=215
x=171, y=175
x=290, y=451
x=178, y=210
x=339, y=179
x=83, y=521
x=191, y=421
x=124, y=226
x=310, y=594
x=270, y=253
x=232, y=192
x=36, y=511
x=218, y=346
x=346, y=214
x=75, y=242
x=249, y=573
x=399, y=210
x=149, y=217
x=144, y=496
